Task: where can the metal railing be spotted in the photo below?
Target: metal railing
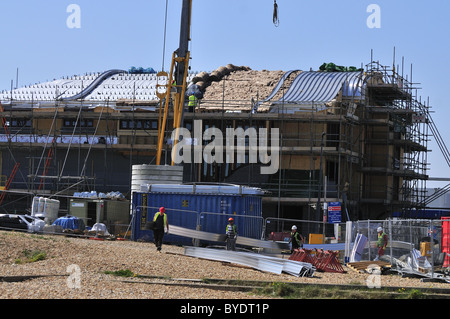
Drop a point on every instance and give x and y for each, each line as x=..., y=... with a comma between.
x=331, y=232
x=417, y=246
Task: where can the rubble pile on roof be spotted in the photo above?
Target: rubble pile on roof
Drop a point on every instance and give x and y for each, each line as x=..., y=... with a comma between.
x=237, y=89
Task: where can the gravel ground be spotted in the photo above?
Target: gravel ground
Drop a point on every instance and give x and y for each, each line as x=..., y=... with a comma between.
x=94, y=258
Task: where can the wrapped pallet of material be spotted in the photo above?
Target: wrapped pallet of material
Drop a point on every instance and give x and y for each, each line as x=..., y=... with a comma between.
x=231, y=67
x=201, y=77
x=223, y=71
x=201, y=85
x=216, y=76
x=45, y=208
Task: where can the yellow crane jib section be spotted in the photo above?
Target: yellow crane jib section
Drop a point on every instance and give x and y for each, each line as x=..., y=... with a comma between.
x=178, y=104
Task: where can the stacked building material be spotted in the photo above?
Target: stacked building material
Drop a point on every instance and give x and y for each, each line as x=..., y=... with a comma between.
x=257, y=261
x=323, y=260
x=204, y=79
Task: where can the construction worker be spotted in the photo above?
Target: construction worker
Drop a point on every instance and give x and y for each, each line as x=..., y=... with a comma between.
x=381, y=242
x=231, y=232
x=160, y=221
x=296, y=239
x=173, y=91
x=192, y=103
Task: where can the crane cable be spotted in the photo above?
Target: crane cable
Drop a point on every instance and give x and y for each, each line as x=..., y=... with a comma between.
x=276, y=20
x=165, y=33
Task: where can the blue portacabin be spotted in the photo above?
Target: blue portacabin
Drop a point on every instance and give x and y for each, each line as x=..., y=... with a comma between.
x=198, y=209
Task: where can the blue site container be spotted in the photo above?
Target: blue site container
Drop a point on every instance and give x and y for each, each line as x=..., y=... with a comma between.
x=198, y=210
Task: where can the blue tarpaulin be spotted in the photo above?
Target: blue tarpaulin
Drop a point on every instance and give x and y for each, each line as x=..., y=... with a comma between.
x=141, y=70
x=70, y=222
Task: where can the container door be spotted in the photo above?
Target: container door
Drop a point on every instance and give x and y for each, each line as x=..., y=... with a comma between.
x=91, y=213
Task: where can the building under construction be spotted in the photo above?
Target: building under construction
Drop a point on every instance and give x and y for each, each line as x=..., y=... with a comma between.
x=355, y=136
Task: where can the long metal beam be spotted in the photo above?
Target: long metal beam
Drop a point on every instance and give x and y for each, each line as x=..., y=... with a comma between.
x=244, y=241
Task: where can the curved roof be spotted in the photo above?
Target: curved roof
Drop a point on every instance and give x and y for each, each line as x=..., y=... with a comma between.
x=112, y=85
x=322, y=87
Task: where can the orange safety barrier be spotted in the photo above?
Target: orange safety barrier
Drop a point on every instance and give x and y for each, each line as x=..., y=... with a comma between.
x=328, y=261
x=446, y=240
x=303, y=255
x=323, y=260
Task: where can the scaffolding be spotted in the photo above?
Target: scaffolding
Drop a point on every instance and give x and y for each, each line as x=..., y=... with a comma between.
x=395, y=121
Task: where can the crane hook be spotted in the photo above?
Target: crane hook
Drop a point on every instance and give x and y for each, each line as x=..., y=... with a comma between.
x=276, y=21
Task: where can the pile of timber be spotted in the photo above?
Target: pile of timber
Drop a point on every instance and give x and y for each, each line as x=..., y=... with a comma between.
x=369, y=266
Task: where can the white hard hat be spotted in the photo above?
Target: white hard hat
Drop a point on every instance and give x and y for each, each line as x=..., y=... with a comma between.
x=294, y=227
x=379, y=229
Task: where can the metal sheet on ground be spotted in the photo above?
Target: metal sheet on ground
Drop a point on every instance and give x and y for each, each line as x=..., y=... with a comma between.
x=253, y=260
x=244, y=241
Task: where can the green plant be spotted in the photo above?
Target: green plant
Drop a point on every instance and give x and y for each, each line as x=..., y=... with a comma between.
x=121, y=273
x=32, y=256
x=282, y=289
x=415, y=294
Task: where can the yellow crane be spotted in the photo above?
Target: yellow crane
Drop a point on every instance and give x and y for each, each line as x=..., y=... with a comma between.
x=176, y=79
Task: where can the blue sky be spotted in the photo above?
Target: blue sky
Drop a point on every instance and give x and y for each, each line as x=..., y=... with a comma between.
x=119, y=34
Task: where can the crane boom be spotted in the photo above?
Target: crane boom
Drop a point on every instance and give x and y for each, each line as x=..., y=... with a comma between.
x=178, y=73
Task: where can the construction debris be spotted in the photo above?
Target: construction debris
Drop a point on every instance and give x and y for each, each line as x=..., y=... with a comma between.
x=369, y=266
x=322, y=260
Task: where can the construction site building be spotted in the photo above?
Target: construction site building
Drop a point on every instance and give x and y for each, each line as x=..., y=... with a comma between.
x=358, y=137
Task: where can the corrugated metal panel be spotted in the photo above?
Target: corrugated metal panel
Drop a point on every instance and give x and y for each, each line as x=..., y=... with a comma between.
x=205, y=189
x=196, y=234
x=275, y=90
x=321, y=87
x=243, y=241
x=105, y=87
x=88, y=90
x=206, y=212
x=236, y=257
x=261, y=262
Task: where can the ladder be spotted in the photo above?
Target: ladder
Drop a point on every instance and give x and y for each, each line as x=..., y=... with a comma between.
x=47, y=164
x=9, y=181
